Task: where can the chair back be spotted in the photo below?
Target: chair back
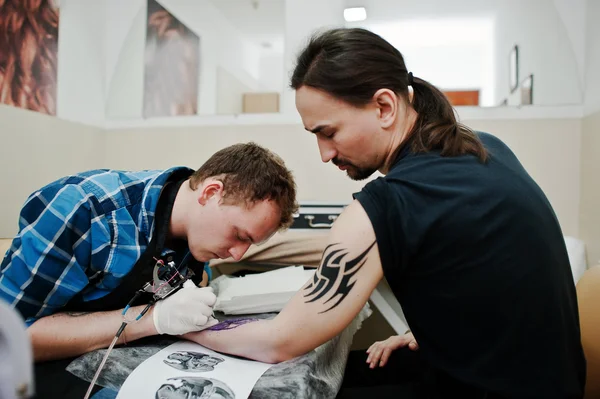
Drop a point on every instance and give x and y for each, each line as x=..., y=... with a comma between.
x=588, y=297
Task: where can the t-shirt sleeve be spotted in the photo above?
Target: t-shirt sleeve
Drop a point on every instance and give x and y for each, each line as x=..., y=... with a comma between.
x=384, y=208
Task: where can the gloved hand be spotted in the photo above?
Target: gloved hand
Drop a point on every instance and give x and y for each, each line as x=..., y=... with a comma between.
x=187, y=310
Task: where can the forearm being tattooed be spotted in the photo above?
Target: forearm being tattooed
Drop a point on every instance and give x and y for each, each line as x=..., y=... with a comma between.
x=231, y=324
x=76, y=314
x=334, y=279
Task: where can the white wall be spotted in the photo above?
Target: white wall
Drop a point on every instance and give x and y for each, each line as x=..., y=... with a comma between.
x=592, y=42
x=81, y=54
x=271, y=76
x=548, y=148
x=545, y=46
x=121, y=17
x=590, y=188
x=124, y=97
x=231, y=90
x=100, y=68
x=573, y=16
x=195, y=144
x=37, y=149
x=221, y=45
x=427, y=45
x=302, y=19
x=590, y=155
x=544, y=50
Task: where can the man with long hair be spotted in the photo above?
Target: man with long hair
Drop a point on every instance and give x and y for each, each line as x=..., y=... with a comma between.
x=468, y=242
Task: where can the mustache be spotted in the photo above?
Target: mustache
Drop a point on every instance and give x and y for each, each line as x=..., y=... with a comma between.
x=340, y=162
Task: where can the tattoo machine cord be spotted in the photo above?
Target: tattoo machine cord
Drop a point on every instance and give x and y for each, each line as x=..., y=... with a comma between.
x=167, y=279
x=116, y=338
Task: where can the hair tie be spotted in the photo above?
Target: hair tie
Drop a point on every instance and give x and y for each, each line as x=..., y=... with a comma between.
x=410, y=78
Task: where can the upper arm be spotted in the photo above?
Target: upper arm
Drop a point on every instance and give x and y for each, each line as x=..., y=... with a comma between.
x=43, y=269
x=350, y=270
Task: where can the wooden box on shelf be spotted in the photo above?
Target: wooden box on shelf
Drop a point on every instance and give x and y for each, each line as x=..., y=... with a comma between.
x=260, y=103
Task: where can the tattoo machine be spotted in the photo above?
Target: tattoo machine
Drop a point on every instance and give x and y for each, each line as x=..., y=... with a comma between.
x=166, y=280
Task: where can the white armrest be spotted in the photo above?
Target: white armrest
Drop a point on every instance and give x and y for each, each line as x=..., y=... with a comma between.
x=384, y=299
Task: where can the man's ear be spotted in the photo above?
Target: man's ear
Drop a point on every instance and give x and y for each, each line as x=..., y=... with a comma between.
x=386, y=102
x=210, y=188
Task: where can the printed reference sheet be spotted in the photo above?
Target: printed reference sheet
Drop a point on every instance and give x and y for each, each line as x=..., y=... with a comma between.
x=189, y=370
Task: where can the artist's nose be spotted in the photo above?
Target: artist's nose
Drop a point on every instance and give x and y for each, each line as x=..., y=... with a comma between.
x=326, y=148
x=238, y=250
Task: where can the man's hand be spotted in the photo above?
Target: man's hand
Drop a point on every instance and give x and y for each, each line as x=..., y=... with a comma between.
x=189, y=309
x=68, y=334
x=380, y=351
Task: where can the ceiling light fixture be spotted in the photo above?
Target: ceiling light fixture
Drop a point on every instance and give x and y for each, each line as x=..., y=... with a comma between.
x=355, y=14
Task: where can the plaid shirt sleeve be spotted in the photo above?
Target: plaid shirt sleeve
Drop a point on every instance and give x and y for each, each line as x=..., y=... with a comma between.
x=45, y=266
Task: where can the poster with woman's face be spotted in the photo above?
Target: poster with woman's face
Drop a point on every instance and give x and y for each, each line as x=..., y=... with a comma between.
x=171, y=65
x=29, y=54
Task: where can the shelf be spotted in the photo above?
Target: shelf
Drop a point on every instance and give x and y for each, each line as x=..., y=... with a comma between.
x=466, y=113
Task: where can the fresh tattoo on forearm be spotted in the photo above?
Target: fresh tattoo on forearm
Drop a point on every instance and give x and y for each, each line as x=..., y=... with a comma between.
x=233, y=323
x=76, y=314
x=333, y=280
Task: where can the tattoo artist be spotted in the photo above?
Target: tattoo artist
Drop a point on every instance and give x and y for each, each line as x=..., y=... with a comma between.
x=88, y=242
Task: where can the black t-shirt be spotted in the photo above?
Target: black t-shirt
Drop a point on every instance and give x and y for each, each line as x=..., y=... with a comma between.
x=476, y=257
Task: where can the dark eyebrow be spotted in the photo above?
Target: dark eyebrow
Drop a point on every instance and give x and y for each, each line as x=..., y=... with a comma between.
x=316, y=129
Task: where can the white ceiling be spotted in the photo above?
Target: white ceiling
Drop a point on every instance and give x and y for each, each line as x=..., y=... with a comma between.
x=267, y=17
x=263, y=21
x=258, y=20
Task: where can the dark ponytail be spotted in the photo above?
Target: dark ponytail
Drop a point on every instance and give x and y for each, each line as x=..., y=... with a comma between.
x=436, y=127
x=353, y=63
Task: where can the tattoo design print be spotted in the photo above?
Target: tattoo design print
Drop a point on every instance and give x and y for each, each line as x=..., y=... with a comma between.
x=334, y=279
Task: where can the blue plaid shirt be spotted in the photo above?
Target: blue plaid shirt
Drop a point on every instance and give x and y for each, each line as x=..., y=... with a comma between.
x=96, y=221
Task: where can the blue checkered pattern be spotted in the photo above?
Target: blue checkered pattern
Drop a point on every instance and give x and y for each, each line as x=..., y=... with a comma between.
x=96, y=221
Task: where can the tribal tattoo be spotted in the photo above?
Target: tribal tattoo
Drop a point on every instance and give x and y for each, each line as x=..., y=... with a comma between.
x=334, y=279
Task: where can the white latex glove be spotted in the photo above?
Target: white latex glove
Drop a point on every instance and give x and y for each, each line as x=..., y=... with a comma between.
x=187, y=310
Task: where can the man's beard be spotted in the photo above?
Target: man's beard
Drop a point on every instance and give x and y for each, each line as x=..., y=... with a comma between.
x=354, y=172
x=359, y=173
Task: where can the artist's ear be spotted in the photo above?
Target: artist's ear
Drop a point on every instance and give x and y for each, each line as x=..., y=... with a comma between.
x=210, y=188
x=386, y=102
